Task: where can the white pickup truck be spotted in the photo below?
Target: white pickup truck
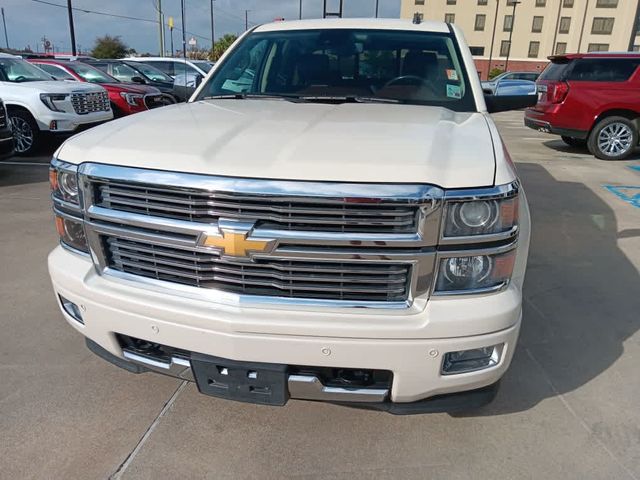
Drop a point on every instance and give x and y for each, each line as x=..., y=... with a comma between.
x=39, y=105
x=345, y=227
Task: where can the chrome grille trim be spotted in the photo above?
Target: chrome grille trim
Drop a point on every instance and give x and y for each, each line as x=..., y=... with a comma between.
x=403, y=262
x=84, y=103
x=3, y=115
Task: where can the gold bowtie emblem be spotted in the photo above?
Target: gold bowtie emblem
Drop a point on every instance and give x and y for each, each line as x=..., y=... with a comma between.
x=235, y=244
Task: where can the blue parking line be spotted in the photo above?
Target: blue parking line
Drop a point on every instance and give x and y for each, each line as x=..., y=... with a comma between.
x=635, y=167
x=627, y=193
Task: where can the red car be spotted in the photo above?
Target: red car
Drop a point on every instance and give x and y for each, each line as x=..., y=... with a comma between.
x=126, y=98
x=590, y=99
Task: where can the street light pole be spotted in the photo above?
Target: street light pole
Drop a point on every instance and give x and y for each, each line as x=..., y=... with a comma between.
x=71, y=29
x=300, y=11
x=513, y=23
x=377, y=5
x=161, y=30
x=6, y=37
x=184, y=33
x=213, y=28
x=493, y=37
x=246, y=20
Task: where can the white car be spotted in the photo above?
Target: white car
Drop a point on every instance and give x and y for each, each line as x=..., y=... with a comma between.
x=38, y=105
x=177, y=66
x=332, y=216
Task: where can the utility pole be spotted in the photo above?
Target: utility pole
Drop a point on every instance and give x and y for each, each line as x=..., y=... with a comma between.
x=513, y=23
x=71, y=29
x=6, y=37
x=377, y=5
x=246, y=20
x=184, y=37
x=213, y=28
x=493, y=37
x=300, y=11
x=161, y=30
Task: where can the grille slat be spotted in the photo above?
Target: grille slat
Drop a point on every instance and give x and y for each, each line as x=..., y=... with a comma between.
x=84, y=103
x=273, y=277
x=303, y=214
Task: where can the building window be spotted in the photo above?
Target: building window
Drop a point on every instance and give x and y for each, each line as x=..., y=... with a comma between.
x=508, y=23
x=606, y=3
x=565, y=24
x=541, y=3
x=504, y=48
x=480, y=21
x=449, y=17
x=534, y=47
x=483, y=2
x=598, y=47
x=536, y=26
x=451, y=2
x=602, y=25
x=561, y=48
x=477, y=51
x=419, y=2
x=567, y=4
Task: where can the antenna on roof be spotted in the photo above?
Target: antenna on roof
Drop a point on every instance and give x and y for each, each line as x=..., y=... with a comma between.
x=417, y=18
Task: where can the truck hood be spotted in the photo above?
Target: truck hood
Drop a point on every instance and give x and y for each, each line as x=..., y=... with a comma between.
x=350, y=142
x=57, y=86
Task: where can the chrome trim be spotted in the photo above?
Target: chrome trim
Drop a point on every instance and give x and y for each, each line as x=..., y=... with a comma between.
x=494, y=361
x=473, y=239
x=490, y=193
x=301, y=387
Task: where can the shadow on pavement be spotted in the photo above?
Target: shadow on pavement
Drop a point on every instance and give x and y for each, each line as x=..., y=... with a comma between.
x=560, y=146
x=581, y=297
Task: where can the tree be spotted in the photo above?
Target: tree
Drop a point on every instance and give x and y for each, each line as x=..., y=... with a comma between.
x=221, y=46
x=109, y=47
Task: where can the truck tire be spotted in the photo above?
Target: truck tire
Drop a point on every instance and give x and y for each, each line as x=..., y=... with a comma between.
x=574, y=142
x=613, y=138
x=26, y=133
x=168, y=99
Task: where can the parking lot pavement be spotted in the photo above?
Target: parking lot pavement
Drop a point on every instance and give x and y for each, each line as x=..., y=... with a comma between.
x=568, y=407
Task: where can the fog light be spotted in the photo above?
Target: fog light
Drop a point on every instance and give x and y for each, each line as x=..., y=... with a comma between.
x=471, y=360
x=72, y=309
x=53, y=125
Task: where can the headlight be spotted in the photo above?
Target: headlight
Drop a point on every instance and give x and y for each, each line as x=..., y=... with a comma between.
x=64, y=182
x=133, y=99
x=474, y=273
x=491, y=214
x=50, y=99
x=71, y=233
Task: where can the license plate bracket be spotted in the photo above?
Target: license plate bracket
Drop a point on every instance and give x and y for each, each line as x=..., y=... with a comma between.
x=262, y=383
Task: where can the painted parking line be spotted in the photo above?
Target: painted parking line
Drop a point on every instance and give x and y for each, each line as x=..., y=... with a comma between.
x=40, y=164
x=627, y=193
x=635, y=167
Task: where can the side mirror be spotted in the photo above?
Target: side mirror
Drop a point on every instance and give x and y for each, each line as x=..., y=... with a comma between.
x=138, y=80
x=198, y=80
x=512, y=95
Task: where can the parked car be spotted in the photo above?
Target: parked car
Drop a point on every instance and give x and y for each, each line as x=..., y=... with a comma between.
x=515, y=88
x=322, y=234
x=142, y=73
x=38, y=105
x=590, y=99
x=490, y=85
x=7, y=145
x=126, y=98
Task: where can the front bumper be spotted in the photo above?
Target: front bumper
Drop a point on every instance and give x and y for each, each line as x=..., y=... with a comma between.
x=110, y=307
x=67, y=123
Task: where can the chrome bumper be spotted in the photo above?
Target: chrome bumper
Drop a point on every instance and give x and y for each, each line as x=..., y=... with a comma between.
x=301, y=387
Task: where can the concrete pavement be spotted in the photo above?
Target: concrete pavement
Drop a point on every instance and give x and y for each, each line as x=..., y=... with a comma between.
x=568, y=407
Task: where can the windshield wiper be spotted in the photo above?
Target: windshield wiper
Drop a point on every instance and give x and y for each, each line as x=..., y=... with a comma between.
x=245, y=96
x=349, y=99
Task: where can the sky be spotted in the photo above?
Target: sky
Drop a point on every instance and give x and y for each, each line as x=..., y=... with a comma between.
x=28, y=21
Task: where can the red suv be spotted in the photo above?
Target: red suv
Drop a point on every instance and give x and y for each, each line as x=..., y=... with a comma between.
x=590, y=99
x=126, y=98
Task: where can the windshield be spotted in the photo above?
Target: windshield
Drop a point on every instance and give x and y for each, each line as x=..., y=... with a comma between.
x=18, y=71
x=152, y=73
x=91, y=74
x=202, y=65
x=123, y=72
x=403, y=66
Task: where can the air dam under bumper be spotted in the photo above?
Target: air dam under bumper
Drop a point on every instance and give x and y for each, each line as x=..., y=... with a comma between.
x=111, y=307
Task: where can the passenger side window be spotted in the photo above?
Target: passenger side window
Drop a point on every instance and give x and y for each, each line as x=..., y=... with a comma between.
x=57, y=72
x=603, y=69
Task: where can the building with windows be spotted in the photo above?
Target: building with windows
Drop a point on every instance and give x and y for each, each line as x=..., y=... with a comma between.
x=526, y=32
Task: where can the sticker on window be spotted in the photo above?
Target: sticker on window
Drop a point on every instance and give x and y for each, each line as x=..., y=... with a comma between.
x=452, y=74
x=454, y=91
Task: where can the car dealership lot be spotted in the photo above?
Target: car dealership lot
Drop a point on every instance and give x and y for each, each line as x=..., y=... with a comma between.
x=568, y=406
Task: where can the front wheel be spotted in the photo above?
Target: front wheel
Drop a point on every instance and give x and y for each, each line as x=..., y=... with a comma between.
x=574, y=142
x=26, y=133
x=613, y=138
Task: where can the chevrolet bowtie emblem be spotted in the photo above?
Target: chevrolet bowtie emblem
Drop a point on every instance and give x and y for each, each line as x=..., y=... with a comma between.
x=234, y=244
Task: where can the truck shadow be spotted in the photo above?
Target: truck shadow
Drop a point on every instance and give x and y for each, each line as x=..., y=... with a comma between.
x=561, y=147
x=581, y=297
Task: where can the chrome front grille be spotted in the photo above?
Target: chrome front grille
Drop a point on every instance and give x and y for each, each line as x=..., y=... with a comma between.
x=3, y=116
x=84, y=103
x=375, y=282
x=272, y=212
x=331, y=244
